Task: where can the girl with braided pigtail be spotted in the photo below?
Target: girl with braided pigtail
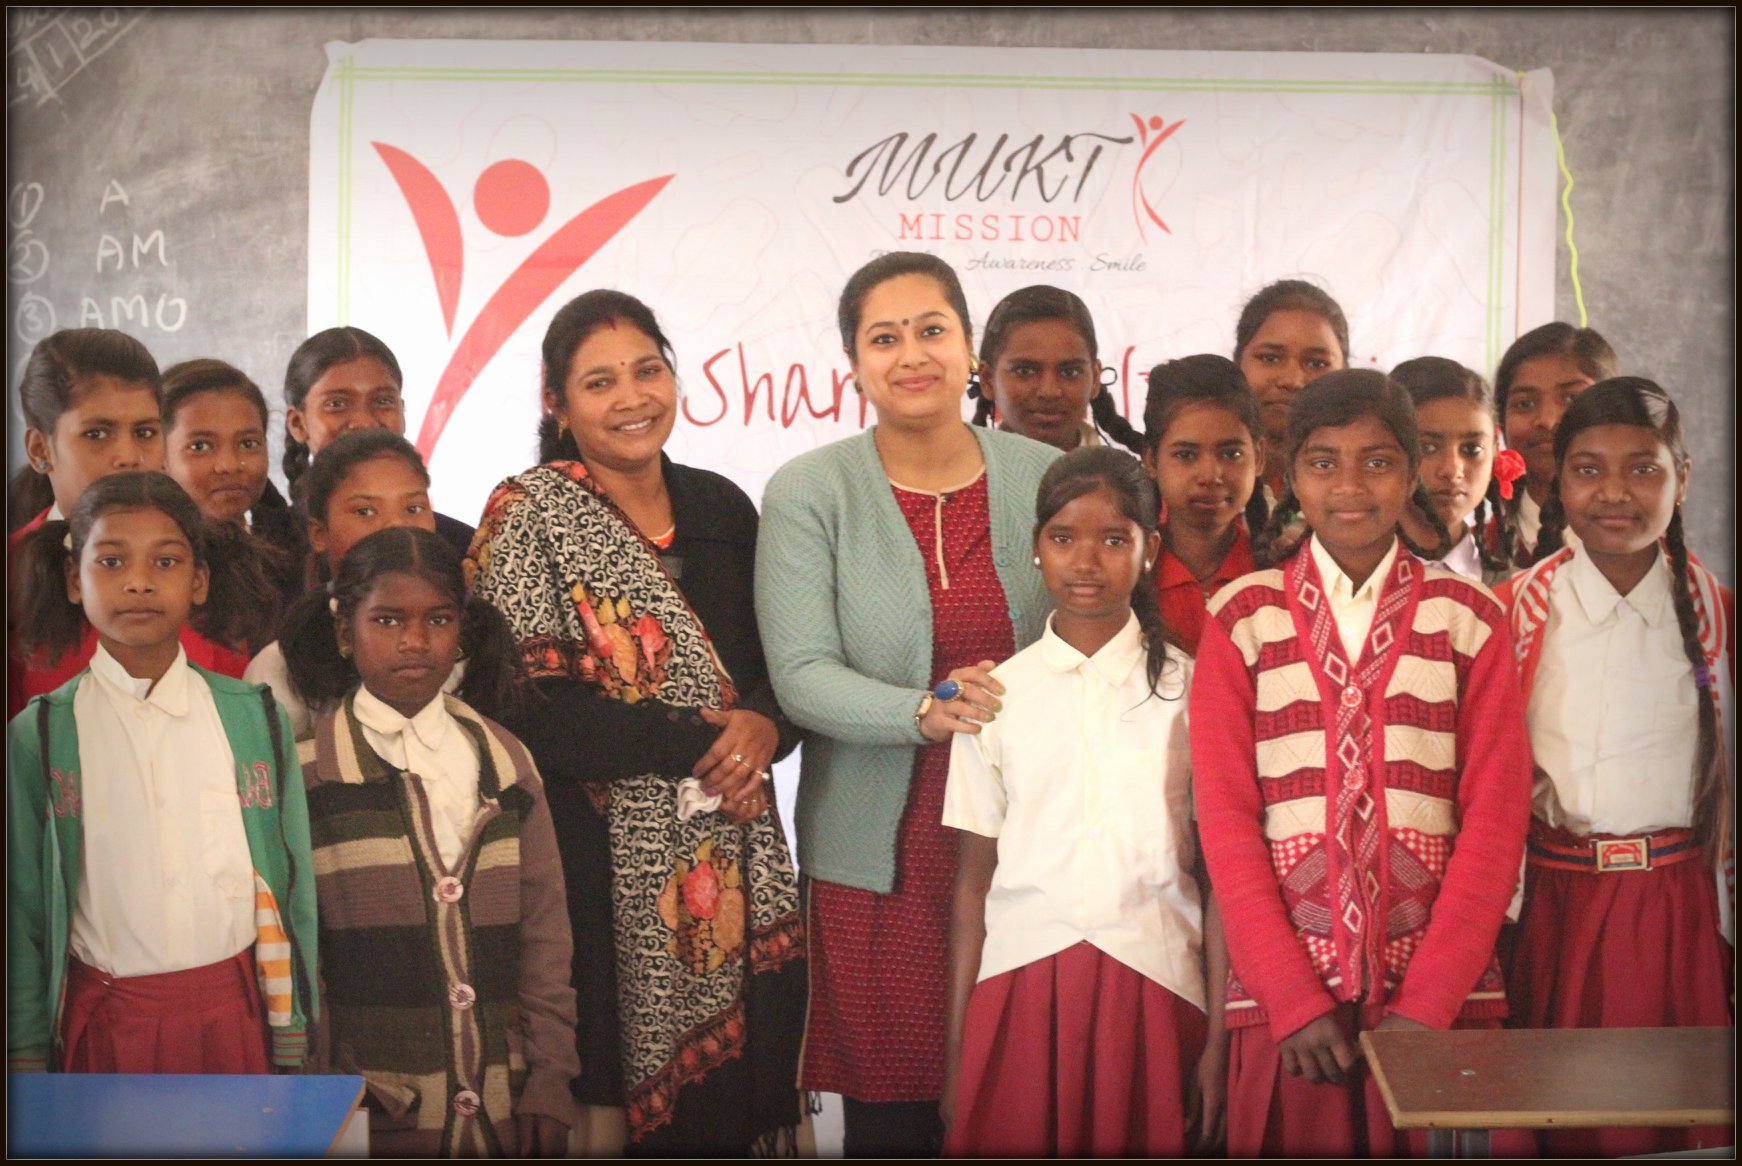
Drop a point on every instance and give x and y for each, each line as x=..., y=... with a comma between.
x=1624, y=923
x=1039, y=373
x=1542, y=373
x=1468, y=477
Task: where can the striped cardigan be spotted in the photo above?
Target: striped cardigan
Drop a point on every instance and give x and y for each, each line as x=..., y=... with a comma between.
x=1362, y=823
x=447, y=989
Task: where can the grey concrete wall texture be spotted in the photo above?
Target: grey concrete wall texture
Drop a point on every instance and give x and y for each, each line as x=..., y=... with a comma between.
x=1645, y=98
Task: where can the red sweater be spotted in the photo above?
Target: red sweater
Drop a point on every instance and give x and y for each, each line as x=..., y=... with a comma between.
x=1441, y=763
x=28, y=677
x=1184, y=599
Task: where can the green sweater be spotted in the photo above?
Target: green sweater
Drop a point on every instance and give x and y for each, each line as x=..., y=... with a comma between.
x=45, y=842
x=845, y=616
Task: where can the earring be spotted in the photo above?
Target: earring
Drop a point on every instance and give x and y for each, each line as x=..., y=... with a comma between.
x=1037, y=560
x=1147, y=564
x=344, y=652
x=857, y=387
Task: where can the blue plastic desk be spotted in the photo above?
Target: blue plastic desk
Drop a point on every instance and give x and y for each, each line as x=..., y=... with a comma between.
x=80, y=1115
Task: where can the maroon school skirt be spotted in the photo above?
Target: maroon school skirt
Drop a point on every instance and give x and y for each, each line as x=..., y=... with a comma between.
x=1273, y=1115
x=1075, y=1056
x=203, y=1020
x=1623, y=949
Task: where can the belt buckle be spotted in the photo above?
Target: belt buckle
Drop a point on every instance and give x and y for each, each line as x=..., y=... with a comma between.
x=1623, y=854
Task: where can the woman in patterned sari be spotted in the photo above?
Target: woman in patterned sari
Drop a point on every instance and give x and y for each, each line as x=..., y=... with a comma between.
x=628, y=583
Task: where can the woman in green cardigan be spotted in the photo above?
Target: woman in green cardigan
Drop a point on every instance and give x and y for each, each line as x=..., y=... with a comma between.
x=887, y=564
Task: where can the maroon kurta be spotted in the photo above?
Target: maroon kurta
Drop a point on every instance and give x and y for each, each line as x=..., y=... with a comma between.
x=879, y=962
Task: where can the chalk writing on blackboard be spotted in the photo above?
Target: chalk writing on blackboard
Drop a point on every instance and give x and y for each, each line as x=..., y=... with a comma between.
x=51, y=46
x=33, y=316
x=131, y=251
x=27, y=256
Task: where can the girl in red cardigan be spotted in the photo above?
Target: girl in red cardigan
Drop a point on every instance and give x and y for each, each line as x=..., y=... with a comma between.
x=1362, y=785
x=1627, y=651
x=1202, y=445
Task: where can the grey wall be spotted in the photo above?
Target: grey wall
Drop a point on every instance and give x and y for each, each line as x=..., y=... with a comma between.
x=188, y=110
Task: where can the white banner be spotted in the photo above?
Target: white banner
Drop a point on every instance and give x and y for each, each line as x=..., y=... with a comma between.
x=461, y=191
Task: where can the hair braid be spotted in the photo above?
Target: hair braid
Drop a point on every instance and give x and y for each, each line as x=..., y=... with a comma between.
x=295, y=462
x=1269, y=547
x=1423, y=503
x=1511, y=538
x=1711, y=784
x=1257, y=510
x=982, y=403
x=1110, y=421
x=45, y=623
x=1552, y=537
x=1496, y=559
x=1146, y=606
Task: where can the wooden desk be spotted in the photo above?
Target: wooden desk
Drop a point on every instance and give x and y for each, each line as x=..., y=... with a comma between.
x=1461, y=1084
x=92, y=1115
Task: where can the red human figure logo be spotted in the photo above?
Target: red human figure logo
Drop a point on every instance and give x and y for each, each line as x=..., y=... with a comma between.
x=511, y=198
x=1152, y=134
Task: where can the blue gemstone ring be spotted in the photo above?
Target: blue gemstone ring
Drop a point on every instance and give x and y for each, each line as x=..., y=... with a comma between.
x=948, y=690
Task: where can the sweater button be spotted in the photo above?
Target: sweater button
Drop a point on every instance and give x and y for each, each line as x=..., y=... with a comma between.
x=448, y=890
x=462, y=996
x=1351, y=697
x=467, y=1103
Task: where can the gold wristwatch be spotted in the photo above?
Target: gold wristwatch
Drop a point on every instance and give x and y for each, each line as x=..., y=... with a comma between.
x=925, y=703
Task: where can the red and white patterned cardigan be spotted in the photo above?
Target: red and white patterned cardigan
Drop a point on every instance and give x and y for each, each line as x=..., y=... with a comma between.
x=1363, y=824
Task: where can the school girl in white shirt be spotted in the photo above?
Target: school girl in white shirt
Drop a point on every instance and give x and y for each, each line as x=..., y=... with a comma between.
x=1078, y=909
x=1626, y=651
x=160, y=887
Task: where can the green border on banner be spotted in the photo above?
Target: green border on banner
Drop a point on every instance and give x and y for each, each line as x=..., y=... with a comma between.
x=346, y=71
x=1498, y=89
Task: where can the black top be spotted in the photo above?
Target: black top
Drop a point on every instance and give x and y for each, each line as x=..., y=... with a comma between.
x=457, y=533
x=586, y=736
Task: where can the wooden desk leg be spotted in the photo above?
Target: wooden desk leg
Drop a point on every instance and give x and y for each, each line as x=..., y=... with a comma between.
x=1457, y=1143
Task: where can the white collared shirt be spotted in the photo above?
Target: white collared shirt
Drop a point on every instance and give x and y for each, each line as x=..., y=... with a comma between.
x=168, y=883
x=1465, y=557
x=1084, y=779
x=1352, y=607
x=1614, y=715
x=443, y=755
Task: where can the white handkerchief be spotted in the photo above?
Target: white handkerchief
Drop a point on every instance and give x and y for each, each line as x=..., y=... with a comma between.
x=692, y=801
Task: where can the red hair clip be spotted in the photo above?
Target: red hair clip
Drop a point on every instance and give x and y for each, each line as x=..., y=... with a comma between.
x=1508, y=468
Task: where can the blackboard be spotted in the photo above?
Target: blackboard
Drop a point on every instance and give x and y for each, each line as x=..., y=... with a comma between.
x=158, y=163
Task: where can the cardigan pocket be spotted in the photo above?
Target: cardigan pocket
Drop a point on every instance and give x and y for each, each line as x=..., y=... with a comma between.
x=393, y=1099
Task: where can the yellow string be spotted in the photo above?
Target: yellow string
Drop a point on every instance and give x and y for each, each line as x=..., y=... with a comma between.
x=1567, y=206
